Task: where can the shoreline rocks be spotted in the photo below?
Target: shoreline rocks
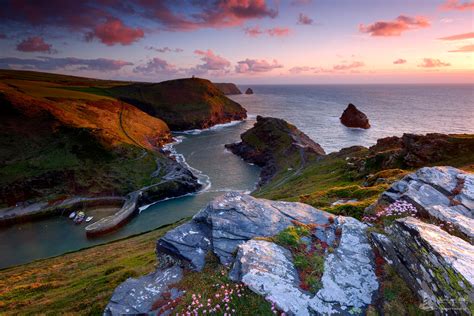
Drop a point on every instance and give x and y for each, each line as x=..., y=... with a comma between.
x=354, y=118
x=249, y=91
x=275, y=145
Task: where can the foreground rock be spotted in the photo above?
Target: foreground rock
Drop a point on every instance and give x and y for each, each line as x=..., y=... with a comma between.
x=445, y=194
x=352, y=117
x=229, y=221
x=275, y=145
x=228, y=226
x=348, y=283
x=138, y=296
x=228, y=88
x=249, y=91
x=435, y=264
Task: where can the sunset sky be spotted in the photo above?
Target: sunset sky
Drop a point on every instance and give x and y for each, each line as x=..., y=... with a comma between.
x=319, y=41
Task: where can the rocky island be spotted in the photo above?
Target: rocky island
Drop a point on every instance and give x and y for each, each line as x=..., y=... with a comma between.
x=353, y=117
x=249, y=91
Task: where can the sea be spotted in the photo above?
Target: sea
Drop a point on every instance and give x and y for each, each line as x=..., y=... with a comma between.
x=315, y=109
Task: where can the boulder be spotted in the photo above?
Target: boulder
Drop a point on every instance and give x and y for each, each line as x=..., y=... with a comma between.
x=352, y=117
x=140, y=296
x=442, y=193
x=436, y=265
x=249, y=91
x=231, y=220
x=349, y=280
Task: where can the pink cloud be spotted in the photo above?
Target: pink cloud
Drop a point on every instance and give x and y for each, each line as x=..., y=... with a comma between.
x=463, y=49
x=354, y=64
x=298, y=70
x=275, y=31
x=400, y=61
x=433, y=63
x=255, y=65
x=304, y=19
x=457, y=5
x=300, y=2
x=211, y=61
x=157, y=66
x=35, y=44
x=113, y=31
x=396, y=27
x=458, y=37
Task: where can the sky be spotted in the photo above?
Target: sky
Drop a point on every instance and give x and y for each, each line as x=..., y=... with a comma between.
x=246, y=42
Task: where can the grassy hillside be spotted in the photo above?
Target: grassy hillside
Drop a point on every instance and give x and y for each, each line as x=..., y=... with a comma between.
x=183, y=103
x=56, y=141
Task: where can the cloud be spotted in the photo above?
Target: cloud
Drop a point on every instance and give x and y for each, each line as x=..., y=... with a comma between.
x=463, y=49
x=458, y=37
x=433, y=63
x=157, y=66
x=212, y=62
x=300, y=2
x=275, y=31
x=255, y=65
x=50, y=63
x=396, y=27
x=2, y=36
x=35, y=44
x=298, y=70
x=457, y=5
x=113, y=31
x=165, y=49
x=352, y=65
x=210, y=14
x=304, y=19
x=400, y=61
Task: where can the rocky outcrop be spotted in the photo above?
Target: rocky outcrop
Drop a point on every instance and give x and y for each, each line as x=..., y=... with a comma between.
x=348, y=283
x=228, y=227
x=139, y=296
x=184, y=104
x=445, y=194
x=353, y=117
x=249, y=91
x=228, y=88
x=435, y=264
x=434, y=256
x=414, y=151
x=229, y=221
x=275, y=145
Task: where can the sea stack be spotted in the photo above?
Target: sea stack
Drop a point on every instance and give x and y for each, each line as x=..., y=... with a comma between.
x=249, y=91
x=352, y=117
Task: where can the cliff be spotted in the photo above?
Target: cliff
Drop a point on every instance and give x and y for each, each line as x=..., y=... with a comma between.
x=228, y=88
x=62, y=136
x=183, y=104
x=276, y=146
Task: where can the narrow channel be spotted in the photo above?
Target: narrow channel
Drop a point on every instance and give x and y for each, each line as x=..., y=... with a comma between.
x=203, y=151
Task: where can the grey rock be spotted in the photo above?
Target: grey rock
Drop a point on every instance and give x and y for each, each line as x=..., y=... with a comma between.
x=137, y=296
x=436, y=265
x=267, y=269
x=349, y=280
x=434, y=191
x=231, y=220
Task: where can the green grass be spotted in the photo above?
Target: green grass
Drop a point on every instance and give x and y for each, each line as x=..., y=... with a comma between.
x=77, y=283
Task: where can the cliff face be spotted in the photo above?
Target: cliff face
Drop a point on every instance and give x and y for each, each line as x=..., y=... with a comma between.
x=228, y=88
x=183, y=103
x=276, y=145
x=58, y=139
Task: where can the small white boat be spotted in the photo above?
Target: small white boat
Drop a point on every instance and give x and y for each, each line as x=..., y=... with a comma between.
x=72, y=215
x=89, y=218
